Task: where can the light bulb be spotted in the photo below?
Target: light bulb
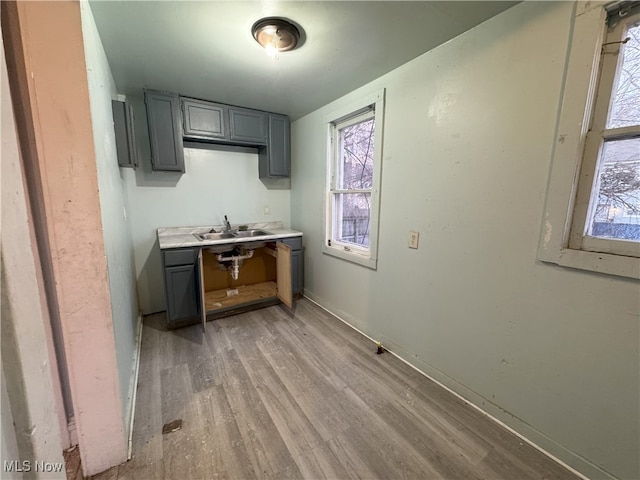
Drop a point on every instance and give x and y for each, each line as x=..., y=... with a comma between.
x=273, y=47
x=271, y=50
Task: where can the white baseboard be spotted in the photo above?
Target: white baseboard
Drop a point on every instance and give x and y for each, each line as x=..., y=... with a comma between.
x=133, y=387
x=568, y=459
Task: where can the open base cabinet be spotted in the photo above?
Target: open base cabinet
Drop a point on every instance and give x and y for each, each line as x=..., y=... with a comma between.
x=263, y=278
x=199, y=285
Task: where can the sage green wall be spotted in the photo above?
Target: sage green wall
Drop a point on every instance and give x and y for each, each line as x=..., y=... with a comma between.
x=468, y=138
x=114, y=205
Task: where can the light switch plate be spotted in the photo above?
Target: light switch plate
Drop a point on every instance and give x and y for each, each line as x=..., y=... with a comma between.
x=413, y=239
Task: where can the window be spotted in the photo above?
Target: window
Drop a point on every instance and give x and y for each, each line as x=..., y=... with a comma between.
x=609, y=187
x=592, y=218
x=354, y=168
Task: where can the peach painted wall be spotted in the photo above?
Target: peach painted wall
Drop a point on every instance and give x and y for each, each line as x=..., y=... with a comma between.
x=54, y=87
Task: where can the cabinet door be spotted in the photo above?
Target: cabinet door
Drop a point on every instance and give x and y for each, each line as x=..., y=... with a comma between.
x=124, y=133
x=203, y=307
x=296, y=263
x=296, y=271
x=275, y=158
x=204, y=120
x=247, y=126
x=165, y=131
x=283, y=274
x=182, y=292
x=131, y=134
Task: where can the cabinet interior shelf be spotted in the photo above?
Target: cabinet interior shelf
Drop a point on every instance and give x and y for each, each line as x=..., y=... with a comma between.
x=219, y=300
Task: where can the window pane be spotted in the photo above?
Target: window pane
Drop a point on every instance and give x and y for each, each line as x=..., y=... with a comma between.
x=617, y=212
x=625, y=104
x=356, y=156
x=353, y=218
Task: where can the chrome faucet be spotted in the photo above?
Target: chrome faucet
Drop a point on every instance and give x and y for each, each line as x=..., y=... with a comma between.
x=227, y=224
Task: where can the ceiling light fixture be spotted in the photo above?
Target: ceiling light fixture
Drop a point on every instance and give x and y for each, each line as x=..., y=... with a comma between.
x=276, y=34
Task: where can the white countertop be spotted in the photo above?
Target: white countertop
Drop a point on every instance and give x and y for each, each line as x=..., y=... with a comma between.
x=178, y=237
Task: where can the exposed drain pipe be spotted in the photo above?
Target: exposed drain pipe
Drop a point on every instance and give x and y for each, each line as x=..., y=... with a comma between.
x=236, y=262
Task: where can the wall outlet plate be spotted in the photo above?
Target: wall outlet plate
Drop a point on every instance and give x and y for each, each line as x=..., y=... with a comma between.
x=413, y=239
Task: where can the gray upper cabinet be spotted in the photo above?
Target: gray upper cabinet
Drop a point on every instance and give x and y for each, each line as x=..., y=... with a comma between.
x=123, y=124
x=204, y=120
x=165, y=131
x=275, y=158
x=172, y=119
x=247, y=126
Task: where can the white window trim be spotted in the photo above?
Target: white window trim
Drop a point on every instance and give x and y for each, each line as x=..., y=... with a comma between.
x=365, y=257
x=581, y=75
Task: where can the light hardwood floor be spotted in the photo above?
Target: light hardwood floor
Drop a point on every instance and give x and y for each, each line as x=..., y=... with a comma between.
x=268, y=394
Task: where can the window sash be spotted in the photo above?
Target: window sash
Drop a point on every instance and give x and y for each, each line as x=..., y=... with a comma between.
x=336, y=216
x=588, y=184
x=337, y=126
x=338, y=222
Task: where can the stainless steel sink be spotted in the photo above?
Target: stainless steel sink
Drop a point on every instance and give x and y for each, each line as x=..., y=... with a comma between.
x=215, y=236
x=250, y=233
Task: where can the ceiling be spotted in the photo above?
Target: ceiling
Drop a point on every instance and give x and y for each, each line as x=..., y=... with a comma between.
x=205, y=49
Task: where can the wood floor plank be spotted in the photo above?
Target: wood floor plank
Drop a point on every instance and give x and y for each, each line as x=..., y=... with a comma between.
x=279, y=394
x=111, y=474
x=73, y=467
x=358, y=459
x=229, y=455
x=204, y=371
x=473, y=431
x=296, y=429
x=185, y=451
x=399, y=415
x=396, y=457
x=462, y=441
x=452, y=453
x=269, y=455
x=147, y=461
x=308, y=349
x=216, y=339
x=185, y=345
x=326, y=422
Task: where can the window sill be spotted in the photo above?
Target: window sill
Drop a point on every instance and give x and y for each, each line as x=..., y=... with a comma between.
x=606, y=263
x=352, y=257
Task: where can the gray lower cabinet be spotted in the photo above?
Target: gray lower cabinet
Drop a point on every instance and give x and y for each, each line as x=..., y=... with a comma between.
x=204, y=120
x=123, y=124
x=182, y=283
x=165, y=131
x=275, y=158
x=184, y=279
x=247, y=126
